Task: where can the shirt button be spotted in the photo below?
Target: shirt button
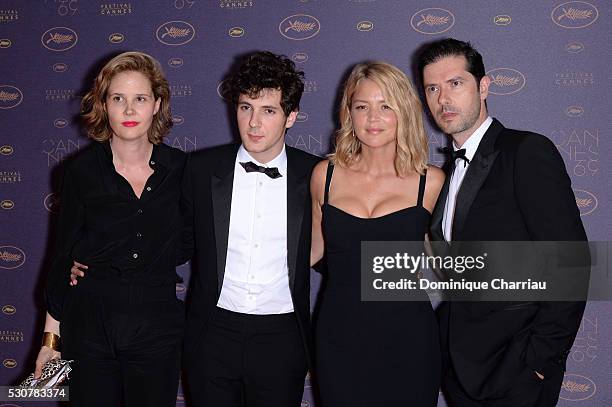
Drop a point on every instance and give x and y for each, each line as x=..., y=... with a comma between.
x=135, y=255
x=139, y=211
x=138, y=234
x=250, y=297
x=149, y=189
x=260, y=183
x=256, y=245
x=252, y=277
x=258, y=215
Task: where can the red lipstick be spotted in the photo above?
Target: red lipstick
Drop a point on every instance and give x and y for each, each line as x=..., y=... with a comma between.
x=130, y=124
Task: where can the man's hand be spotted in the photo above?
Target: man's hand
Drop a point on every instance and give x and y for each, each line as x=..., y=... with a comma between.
x=76, y=271
x=45, y=355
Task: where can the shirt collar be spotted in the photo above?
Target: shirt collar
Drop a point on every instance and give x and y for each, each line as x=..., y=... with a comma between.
x=471, y=144
x=280, y=161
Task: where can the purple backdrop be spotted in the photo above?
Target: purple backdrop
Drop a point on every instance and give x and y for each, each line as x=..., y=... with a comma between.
x=549, y=62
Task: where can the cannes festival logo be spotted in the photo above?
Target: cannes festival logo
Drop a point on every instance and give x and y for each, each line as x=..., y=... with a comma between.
x=11, y=257
x=299, y=27
x=175, y=62
x=7, y=204
x=178, y=120
x=6, y=150
x=5, y=43
x=574, y=14
x=236, y=32
x=576, y=387
x=299, y=57
x=9, y=309
x=60, y=67
x=59, y=38
x=60, y=123
x=10, y=97
x=365, y=26
x=432, y=20
x=175, y=33
x=574, y=111
x=505, y=81
x=502, y=19
x=9, y=363
x=116, y=38
x=301, y=117
x=586, y=201
x=574, y=47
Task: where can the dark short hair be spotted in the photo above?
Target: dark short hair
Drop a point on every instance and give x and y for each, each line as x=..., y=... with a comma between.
x=448, y=47
x=265, y=70
x=93, y=113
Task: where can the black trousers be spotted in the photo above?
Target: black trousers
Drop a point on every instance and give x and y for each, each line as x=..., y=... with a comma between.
x=125, y=341
x=527, y=391
x=249, y=360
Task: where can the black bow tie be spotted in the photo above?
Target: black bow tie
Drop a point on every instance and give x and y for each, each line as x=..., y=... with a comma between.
x=456, y=154
x=271, y=172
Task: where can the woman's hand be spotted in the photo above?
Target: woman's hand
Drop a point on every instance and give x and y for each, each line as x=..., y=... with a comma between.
x=46, y=354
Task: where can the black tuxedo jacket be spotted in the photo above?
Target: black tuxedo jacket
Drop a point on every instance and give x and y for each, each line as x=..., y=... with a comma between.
x=516, y=189
x=206, y=204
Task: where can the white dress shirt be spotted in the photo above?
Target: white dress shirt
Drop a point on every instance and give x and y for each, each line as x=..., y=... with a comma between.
x=256, y=277
x=461, y=167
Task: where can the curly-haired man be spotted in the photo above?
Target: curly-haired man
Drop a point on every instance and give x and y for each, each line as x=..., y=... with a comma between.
x=248, y=221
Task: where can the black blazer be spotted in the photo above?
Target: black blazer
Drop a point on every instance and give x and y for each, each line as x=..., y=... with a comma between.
x=516, y=189
x=206, y=204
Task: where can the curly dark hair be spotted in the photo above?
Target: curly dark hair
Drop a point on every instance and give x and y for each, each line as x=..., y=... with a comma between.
x=265, y=70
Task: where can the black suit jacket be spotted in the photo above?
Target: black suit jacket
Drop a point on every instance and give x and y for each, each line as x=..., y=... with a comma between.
x=516, y=189
x=206, y=204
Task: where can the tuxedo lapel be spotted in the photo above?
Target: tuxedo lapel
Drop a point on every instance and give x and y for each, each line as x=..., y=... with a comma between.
x=297, y=193
x=477, y=173
x=221, y=184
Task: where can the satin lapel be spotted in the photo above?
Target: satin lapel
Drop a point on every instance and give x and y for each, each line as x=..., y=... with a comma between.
x=475, y=176
x=297, y=193
x=221, y=190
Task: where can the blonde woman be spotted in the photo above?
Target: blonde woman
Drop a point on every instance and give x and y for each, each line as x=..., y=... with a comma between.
x=376, y=186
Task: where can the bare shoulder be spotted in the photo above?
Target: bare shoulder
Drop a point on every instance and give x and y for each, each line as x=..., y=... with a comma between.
x=435, y=177
x=317, y=180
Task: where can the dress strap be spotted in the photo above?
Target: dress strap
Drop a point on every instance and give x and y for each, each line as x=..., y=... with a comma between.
x=328, y=177
x=422, y=181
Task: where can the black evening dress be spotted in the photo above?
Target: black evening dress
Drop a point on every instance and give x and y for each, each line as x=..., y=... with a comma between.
x=373, y=353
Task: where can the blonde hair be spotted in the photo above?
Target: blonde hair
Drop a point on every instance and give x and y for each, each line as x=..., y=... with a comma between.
x=93, y=113
x=411, y=141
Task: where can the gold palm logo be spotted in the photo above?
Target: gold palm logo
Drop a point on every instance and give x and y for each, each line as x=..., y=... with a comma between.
x=59, y=38
x=174, y=32
x=432, y=20
x=504, y=80
x=573, y=387
x=575, y=14
x=6, y=256
x=8, y=96
x=300, y=26
x=584, y=202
